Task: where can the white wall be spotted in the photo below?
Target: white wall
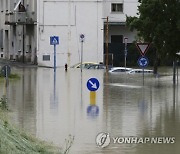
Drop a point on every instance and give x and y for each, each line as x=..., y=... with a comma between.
x=68, y=21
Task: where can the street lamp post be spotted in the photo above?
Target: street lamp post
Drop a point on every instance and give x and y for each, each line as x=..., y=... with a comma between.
x=82, y=37
x=125, y=51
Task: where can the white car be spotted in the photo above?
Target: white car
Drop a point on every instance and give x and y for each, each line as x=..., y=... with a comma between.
x=119, y=70
x=146, y=71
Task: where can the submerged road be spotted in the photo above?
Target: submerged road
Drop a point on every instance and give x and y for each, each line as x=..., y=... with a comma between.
x=54, y=107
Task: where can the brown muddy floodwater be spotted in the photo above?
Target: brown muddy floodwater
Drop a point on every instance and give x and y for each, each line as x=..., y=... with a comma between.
x=54, y=107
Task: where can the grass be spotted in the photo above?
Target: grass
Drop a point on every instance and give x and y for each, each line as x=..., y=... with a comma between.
x=15, y=141
x=11, y=76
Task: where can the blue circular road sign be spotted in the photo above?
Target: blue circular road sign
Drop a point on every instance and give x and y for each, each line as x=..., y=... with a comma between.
x=93, y=84
x=143, y=61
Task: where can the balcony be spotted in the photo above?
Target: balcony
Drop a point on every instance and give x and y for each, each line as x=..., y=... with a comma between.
x=20, y=18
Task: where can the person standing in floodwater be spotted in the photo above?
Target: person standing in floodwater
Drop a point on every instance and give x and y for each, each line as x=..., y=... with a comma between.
x=66, y=67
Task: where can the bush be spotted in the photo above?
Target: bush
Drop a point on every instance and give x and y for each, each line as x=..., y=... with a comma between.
x=3, y=103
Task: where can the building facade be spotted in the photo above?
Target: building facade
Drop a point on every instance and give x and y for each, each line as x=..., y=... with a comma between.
x=27, y=25
x=18, y=30
x=116, y=11
x=68, y=19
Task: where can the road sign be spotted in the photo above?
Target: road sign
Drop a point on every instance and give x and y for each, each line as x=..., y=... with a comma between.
x=6, y=70
x=54, y=40
x=93, y=84
x=143, y=47
x=82, y=37
x=143, y=61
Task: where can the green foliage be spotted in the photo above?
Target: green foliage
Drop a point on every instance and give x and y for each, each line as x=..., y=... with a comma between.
x=158, y=22
x=14, y=76
x=11, y=76
x=3, y=103
x=14, y=141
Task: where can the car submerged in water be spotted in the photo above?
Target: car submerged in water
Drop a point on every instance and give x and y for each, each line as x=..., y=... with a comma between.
x=146, y=71
x=91, y=65
x=97, y=66
x=84, y=65
x=119, y=70
x=116, y=70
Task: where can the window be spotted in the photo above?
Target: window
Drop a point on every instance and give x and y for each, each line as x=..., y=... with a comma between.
x=120, y=70
x=46, y=57
x=116, y=7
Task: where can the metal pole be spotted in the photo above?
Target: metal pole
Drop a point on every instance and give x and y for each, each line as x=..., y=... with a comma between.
x=81, y=54
x=125, y=52
x=6, y=73
x=174, y=72
x=177, y=71
x=54, y=58
x=143, y=76
x=54, y=90
x=23, y=45
x=107, y=47
x=23, y=41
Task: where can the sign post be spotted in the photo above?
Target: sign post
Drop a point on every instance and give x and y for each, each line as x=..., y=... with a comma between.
x=54, y=40
x=6, y=71
x=143, y=61
x=82, y=38
x=93, y=86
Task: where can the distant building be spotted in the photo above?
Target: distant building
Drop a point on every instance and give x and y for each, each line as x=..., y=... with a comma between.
x=26, y=27
x=18, y=37
x=116, y=11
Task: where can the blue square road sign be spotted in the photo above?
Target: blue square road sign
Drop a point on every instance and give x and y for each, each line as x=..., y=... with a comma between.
x=54, y=40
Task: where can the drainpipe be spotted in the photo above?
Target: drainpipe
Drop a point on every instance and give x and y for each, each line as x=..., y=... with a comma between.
x=23, y=46
x=23, y=42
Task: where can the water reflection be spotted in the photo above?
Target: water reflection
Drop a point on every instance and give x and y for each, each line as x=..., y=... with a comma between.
x=21, y=96
x=93, y=109
x=53, y=105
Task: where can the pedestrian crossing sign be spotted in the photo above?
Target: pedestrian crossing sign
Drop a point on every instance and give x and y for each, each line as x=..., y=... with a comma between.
x=54, y=40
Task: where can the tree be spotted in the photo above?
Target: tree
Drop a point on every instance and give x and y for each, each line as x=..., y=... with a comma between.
x=158, y=22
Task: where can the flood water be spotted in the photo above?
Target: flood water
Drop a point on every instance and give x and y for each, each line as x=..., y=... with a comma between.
x=54, y=107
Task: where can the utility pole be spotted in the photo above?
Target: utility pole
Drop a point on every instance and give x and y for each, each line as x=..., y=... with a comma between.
x=107, y=37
